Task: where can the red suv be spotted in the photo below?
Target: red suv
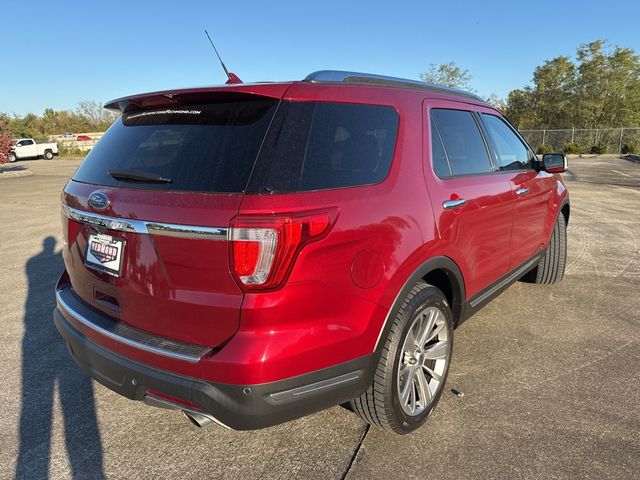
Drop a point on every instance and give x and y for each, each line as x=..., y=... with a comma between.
x=253, y=253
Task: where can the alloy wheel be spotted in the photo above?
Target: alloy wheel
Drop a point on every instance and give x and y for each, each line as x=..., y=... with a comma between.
x=423, y=362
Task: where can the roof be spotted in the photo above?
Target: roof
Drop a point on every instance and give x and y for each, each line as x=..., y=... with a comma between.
x=277, y=89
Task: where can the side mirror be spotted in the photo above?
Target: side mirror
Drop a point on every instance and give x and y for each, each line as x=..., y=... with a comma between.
x=554, y=162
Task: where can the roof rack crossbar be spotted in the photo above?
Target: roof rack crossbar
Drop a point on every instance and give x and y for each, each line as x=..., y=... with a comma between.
x=358, y=78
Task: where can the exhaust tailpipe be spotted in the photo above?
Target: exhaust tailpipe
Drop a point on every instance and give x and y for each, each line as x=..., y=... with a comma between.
x=198, y=419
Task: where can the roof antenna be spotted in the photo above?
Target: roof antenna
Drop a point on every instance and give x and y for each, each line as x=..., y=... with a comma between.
x=232, y=77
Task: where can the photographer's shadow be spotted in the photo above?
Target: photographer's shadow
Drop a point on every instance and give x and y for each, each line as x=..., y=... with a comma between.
x=45, y=364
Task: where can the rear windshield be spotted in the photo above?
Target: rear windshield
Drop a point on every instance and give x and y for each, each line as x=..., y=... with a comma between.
x=205, y=148
x=225, y=147
x=319, y=146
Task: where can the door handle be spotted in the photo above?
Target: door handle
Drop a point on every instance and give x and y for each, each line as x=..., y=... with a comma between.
x=521, y=192
x=451, y=204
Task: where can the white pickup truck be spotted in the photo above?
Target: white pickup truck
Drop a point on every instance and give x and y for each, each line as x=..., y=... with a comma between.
x=28, y=148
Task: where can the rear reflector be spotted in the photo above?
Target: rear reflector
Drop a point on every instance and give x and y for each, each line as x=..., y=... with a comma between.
x=263, y=249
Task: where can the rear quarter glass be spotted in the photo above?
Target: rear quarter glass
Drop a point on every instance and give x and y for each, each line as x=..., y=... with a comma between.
x=321, y=145
x=200, y=148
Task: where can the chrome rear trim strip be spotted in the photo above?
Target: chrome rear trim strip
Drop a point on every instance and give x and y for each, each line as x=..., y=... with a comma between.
x=145, y=227
x=133, y=337
x=187, y=231
x=111, y=223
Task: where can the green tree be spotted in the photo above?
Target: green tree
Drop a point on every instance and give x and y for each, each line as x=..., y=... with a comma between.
x=449, y=75
x=608, y=86
x=600, y=88
x=28, y=126
x=553, y=95
x=89, y=116
x=520, y=109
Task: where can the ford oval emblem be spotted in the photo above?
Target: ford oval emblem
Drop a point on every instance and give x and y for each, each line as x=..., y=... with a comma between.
x=99, y=200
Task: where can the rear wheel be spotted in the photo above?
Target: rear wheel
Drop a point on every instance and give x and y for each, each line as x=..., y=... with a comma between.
x=48, y=155
x=413, y=365
x=550, y=268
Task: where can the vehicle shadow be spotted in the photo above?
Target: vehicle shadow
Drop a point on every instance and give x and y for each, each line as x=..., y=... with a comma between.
x=45, y=364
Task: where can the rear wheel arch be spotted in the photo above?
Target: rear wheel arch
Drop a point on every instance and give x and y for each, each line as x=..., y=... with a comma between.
x=441, y=272
x=451, y=285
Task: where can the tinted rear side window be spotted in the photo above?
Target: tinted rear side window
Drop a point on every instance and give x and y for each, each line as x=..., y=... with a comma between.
x=463, y=142
x=206, y=148
x=318, y=146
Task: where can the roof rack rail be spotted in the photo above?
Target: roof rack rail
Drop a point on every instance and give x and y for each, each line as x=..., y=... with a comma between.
x=358, y=78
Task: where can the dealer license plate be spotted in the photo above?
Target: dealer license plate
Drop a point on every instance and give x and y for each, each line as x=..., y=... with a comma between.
x=104, y=253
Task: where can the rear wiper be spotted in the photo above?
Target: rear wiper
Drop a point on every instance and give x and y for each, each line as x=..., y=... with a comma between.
x=133, y=176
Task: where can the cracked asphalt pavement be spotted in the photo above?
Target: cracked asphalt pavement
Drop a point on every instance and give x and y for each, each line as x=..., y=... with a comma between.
x=549, y=373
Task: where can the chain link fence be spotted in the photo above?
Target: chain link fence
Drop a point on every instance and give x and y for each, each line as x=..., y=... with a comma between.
x=577, y=140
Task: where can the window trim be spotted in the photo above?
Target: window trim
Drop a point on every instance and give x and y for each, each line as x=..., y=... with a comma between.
x=494, y=149
x=432, y=121
x=474, y=115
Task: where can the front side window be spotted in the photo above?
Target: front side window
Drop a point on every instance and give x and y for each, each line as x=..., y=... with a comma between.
x=512, y=153
x=463, y=144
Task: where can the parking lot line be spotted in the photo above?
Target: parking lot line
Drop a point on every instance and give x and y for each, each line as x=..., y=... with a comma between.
x=629, y=189
x=626, y=175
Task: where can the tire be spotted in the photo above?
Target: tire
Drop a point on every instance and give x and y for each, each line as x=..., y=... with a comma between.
x=550, y=268
x=384, y=405
x=48, y=155
x=12, y=157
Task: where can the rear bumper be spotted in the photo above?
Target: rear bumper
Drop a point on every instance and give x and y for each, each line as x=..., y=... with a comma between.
x=240, y=407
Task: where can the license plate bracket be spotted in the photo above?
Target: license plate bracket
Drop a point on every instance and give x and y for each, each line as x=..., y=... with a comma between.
x=104, y=253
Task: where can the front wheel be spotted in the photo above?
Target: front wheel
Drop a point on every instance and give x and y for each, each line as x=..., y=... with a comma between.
x=48, y=155
x=12, y=157
x=550, y=268
x=413, y=366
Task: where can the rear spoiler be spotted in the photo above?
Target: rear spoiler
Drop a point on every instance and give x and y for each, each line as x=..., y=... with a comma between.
x=192, y=96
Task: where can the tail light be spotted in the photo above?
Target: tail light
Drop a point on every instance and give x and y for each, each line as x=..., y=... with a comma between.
x=263, y=249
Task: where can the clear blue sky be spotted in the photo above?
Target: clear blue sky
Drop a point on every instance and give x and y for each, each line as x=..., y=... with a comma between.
x=55, y=54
